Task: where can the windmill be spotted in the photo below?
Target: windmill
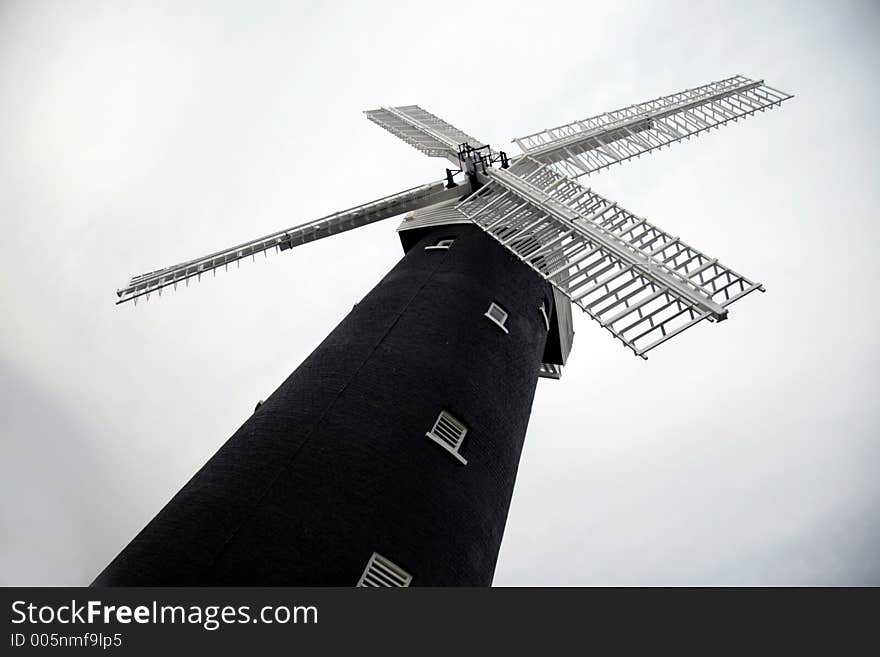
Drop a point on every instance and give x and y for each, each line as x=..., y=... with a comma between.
x=388, y=457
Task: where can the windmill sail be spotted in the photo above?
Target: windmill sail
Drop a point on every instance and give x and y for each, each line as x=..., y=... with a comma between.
x=338, y=222
x=422, y=130
x=636, y=280
x=589, y=145
x=639, y=282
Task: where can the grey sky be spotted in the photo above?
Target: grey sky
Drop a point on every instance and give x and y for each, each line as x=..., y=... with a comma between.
x=136, y=135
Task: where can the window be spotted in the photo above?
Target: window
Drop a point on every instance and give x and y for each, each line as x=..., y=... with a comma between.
x=498, y=315
x=441, y=245
x=448, y=432
x=545, y=314
x=382, y=572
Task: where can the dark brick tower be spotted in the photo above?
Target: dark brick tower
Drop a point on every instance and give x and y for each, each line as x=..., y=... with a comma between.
x=336, y=465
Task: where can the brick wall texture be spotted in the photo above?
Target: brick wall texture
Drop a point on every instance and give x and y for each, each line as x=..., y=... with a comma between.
x=335, y=465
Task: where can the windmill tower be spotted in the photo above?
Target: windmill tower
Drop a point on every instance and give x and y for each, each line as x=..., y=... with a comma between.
x=388, y=457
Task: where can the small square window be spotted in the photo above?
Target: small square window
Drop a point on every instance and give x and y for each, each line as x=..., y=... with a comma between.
x=441, y=245
x=498, y=315
x=550, y=371
x=383, y=572
x=449, y=433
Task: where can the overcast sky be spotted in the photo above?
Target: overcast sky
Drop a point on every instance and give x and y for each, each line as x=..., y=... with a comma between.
x=135, y=135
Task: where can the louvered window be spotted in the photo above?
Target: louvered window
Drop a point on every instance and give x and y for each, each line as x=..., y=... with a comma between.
x=497, y=315
x=441, y=245
x=448, y=432
x=383, y=572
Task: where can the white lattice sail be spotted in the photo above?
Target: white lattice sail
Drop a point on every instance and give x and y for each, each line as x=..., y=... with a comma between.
x=641, y=283
x=338, y=222
x=589, y=145
x=423, y=130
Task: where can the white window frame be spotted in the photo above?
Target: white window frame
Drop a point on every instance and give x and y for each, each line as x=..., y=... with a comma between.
x=498, y=322
x=434, y=434
x=543, y=309
x=379, y=563
x=441, y=245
